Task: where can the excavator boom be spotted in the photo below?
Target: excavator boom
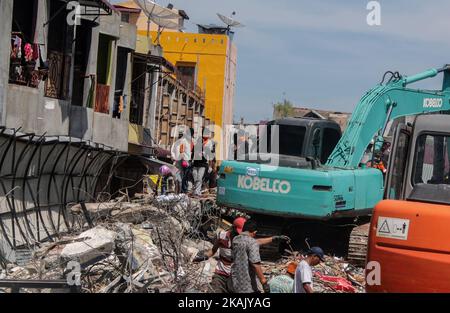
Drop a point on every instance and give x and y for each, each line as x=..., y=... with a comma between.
x=383, y=104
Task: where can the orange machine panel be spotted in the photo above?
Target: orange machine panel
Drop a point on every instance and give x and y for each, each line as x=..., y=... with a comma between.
x=411, y=242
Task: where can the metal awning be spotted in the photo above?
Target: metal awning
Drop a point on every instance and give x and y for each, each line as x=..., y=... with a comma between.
x=156, y=60
x=122, y=8
x=98, y=5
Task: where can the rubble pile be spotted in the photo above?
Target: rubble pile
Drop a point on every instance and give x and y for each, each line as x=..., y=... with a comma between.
x=143, y=245
x=332, y=276
x=147, y=244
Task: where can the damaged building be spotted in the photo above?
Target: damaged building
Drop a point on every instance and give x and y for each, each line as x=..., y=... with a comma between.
x=83, y=115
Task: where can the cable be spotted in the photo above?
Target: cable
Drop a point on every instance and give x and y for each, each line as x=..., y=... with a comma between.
x=395, y=76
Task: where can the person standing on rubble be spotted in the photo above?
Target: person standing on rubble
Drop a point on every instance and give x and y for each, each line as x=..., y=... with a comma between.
x=284, y=283
x=181, y=153
x=246, y=265
x=303, y=273
x=203, y=154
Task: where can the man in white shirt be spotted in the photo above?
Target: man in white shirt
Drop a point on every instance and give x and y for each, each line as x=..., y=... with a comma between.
x=303, y=273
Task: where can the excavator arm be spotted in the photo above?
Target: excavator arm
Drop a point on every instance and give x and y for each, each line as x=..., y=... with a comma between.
x=382, y=104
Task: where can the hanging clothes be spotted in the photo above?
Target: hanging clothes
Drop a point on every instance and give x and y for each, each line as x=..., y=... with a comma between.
x=28, y=50
x=35, y=51
x=120, y=104
x=124, y=102
x=18, y=46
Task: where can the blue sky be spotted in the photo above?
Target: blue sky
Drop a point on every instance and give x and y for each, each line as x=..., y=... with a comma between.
x=322, y=54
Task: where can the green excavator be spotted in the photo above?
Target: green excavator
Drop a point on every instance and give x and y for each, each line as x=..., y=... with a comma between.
x=293, y=194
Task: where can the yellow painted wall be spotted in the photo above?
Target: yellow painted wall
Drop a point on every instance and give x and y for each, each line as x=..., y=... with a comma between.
x=208, y=52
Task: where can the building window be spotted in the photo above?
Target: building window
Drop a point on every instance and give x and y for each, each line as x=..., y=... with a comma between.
x=24, y=51
x=125, y=17
x=103, y=73
x=58, y=52
x=83, y=84
x=186, y=74
x=138, y=89
x=120, y=96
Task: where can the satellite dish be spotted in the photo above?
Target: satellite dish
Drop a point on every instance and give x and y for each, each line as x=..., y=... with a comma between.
x=165, y=23
x=229, y=21
x=153, y=10
x=161, y=16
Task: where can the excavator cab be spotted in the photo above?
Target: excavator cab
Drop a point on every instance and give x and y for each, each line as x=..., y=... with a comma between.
x=296, y=139
x=409, y=231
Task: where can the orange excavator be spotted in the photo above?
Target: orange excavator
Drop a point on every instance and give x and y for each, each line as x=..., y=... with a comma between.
x=409, y=239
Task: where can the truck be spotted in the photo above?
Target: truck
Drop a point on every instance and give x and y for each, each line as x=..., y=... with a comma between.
x=339, y=194
x=409, y=231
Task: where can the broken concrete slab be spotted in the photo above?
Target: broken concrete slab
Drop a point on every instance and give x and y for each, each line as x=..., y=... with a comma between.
x=139, y=247
x=135, y=213
x=199, y=244
x=121, y=211
x=190, y=253
x=95, y=210
x=144, y=250
x=99, y=244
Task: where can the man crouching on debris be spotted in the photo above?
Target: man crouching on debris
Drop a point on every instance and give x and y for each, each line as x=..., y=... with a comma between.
x=247, y=261
x=303, y=274
x=223, y=244
x=223, y=241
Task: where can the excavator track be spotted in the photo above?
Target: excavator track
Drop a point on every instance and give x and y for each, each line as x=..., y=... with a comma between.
x=268, y=228
x=357, y=249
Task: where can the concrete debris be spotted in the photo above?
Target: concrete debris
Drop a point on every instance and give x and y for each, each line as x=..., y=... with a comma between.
x=332, y=276
x=147, y=244
x=95, y=210
x=133, y=213
x=98, y=243
x=140, y=245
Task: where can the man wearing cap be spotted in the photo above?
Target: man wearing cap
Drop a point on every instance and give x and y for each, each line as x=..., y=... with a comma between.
x=284, y=283
x=303, y=273
x=223, y=267
x=223, y=243
x=246, y=265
